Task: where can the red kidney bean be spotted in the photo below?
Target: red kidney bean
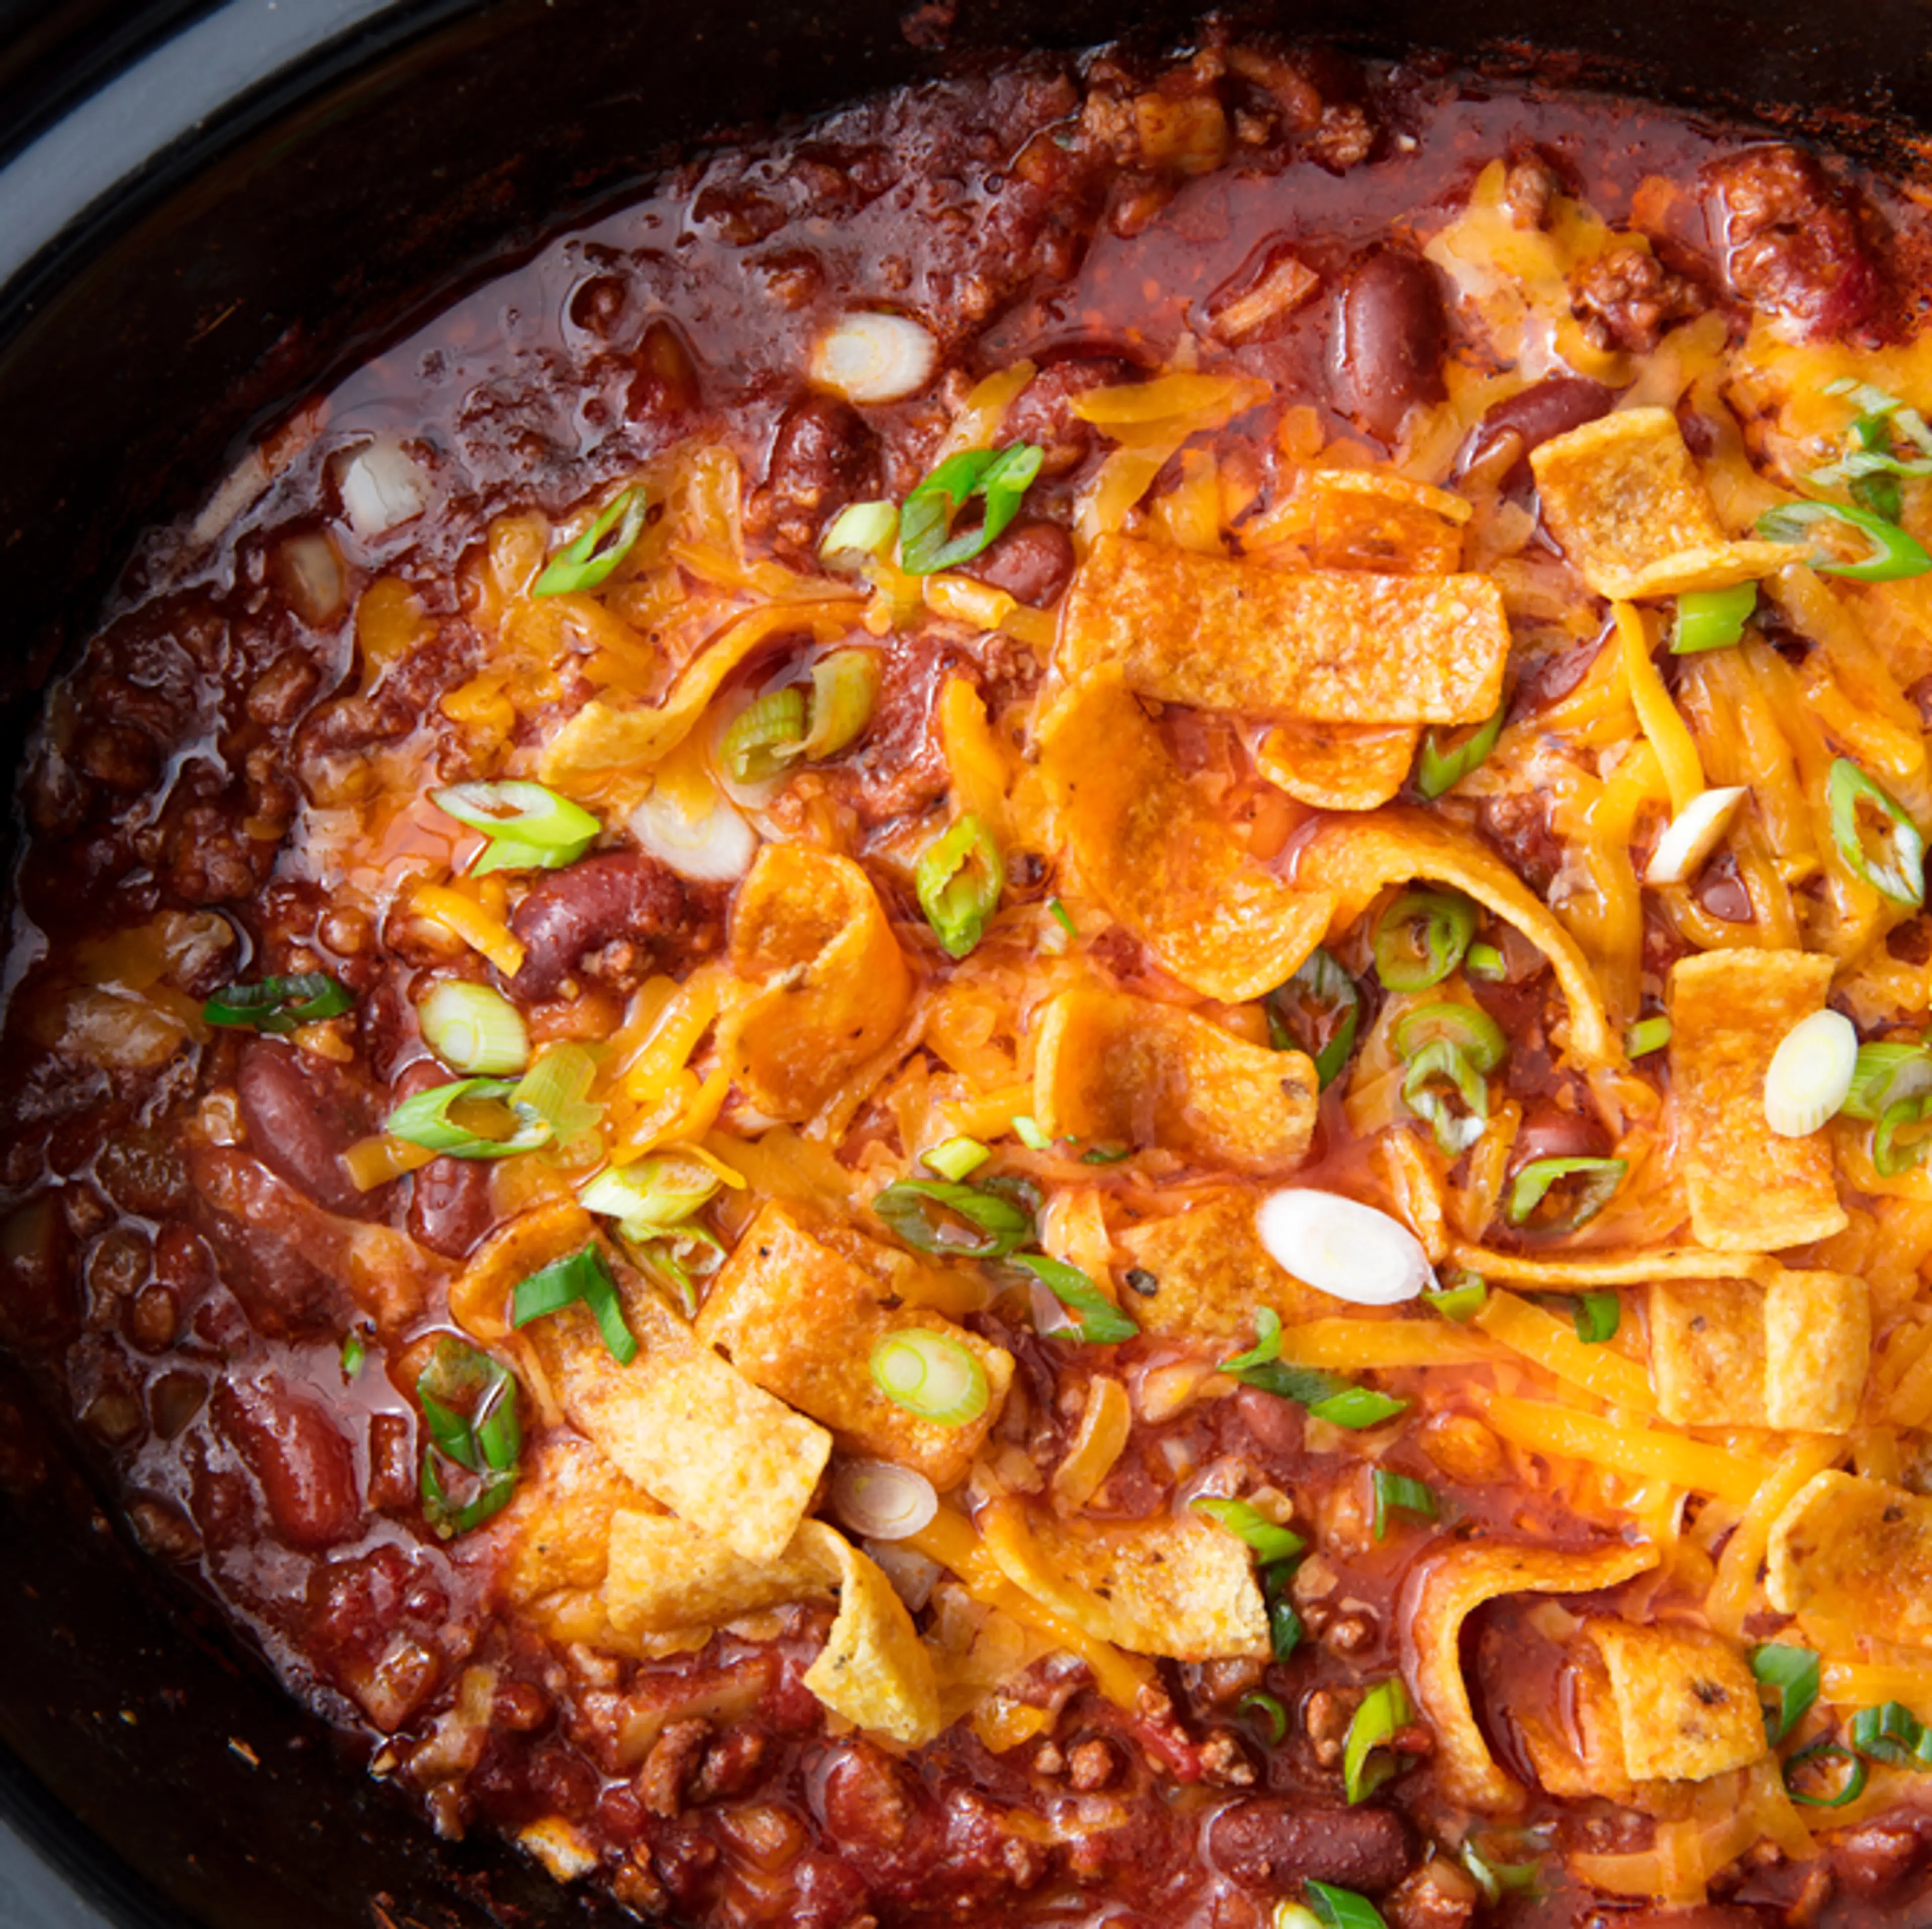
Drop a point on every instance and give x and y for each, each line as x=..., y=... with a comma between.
x=1268, y=1844
x=306, y=1469
x=824, y=457
x=302, y=1115
x=1788, y=241
x=1388, y=341
x=263, y=1236
x=1551, y=1131
x=1032, y=562
x=1042, y=413
x=1534, y=416
x=449, y=1198
x=624, y=905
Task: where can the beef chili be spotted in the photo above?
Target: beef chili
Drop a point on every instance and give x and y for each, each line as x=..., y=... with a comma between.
x=1021, y=1019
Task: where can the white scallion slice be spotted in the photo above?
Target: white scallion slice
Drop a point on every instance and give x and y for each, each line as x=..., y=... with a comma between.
x=383, y=484
x=1340, y=1246
x=879, y=1501
x=1811, y=1073
x=473, y=1029
x=869, y=356
x=716, y=848
x=1693, y=834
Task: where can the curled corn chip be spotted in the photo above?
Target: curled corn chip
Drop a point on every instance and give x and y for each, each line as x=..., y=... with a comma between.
x=1858, y=1550
x=1111, y=1067
x=1565, y=1272
x=1370, y=519
x=1174, y=1587
x=1329, y=645
x=1339, y=766
x=801, y=1320
x=1623, y=495
x=479, y=1297
x=1355, y=858
x=873, y=1669
x=665, y=1574
x=1442, y=1594
x=1750, y=1189
x=1160, y=860
x=826, y=984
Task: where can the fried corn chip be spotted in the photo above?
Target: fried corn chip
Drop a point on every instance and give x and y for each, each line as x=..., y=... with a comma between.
x=557, y=1527
x=687, y=1427
x=1858, y=1551
x=1792, y=1354
x=1326, y=645
x=1686, y=1705
x=1174, y=1587
x=665, y=1574
x=800, y=1320
x=1339, y=766
x=1370, y=519
x=1355, y=859
x=1564, y=1272
x=873, y=1670
x=1750, y=1189
x=1162, y=862
x=1441, y=1594
x=1623, y=496
x=828, y=986
x=1211, y=1272
x=1113, y=1067
x=479, y=1297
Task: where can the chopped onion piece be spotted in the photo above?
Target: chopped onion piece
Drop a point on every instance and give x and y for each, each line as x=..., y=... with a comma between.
x=868, y=356
x=714, y=849
x=1338, y=1246
x=1693, y=834
x=383, y=484
x=1810, y=1074
x=880, y=1501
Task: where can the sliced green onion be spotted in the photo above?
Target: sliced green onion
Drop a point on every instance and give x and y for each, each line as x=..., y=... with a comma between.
x=1792, y=1673
x=1461, y=1302
x=473, y=1029
x=1486, y=963
x=556, y=1087
x=764, y=736
x=1270, y=1542
x=1261, y=1702
x=957, y=1158
x=583, y=564
x=1690, y=836
x=1891, y=1733
x=1874, y=836
x=1497, y=1879
x=1646, y=1035
x=1267, y=1348
x=1891, y=555
x=1356, y=1408
x=1317, y=1011
x=581, y=1279
x=1443, y=1087
x=355, y=1353
x=931, y=1375
x=1326, y=1395
x=845, y=690
x=1711, y=619
x=1469, y=1027
x=469, y=1402
x=1026, y=1129
x=1383, y=1710
x=1882, y=1075
x=1601, y=1178
x=1063, y=917
x=959, y=1221
x=529, y=826
x=653, y=1192
x=958, y=880
x=859, y=531
x=1896, y=1147
x=675, y=1254
x=279, y=1005
x=1440, y=767
x=1852, y=1788
x=1809, y=1074
x=1399, y=1490
x=1000, y=478
x=1105, y=1155
x=430, y=1119
x=1101, y=1322
x=1285, y=1629
x=1597, y=1317
x=1342, y=1908
x=1421, y=937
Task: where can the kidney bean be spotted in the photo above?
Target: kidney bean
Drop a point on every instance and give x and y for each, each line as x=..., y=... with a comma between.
x=305, y=1468
x=1534, y=416
x=1266, y=1844
x=603, y=917
x=1388, y=339
x=264, y=1235
x=302, y=1115
x=1032, y=562
x=449, y=1198
x=1042, y=413
x=1788, y=240
x=1551, y=1131
x=824, y=457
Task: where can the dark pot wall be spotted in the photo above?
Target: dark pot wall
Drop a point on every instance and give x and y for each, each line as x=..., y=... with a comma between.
x=257, y=255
